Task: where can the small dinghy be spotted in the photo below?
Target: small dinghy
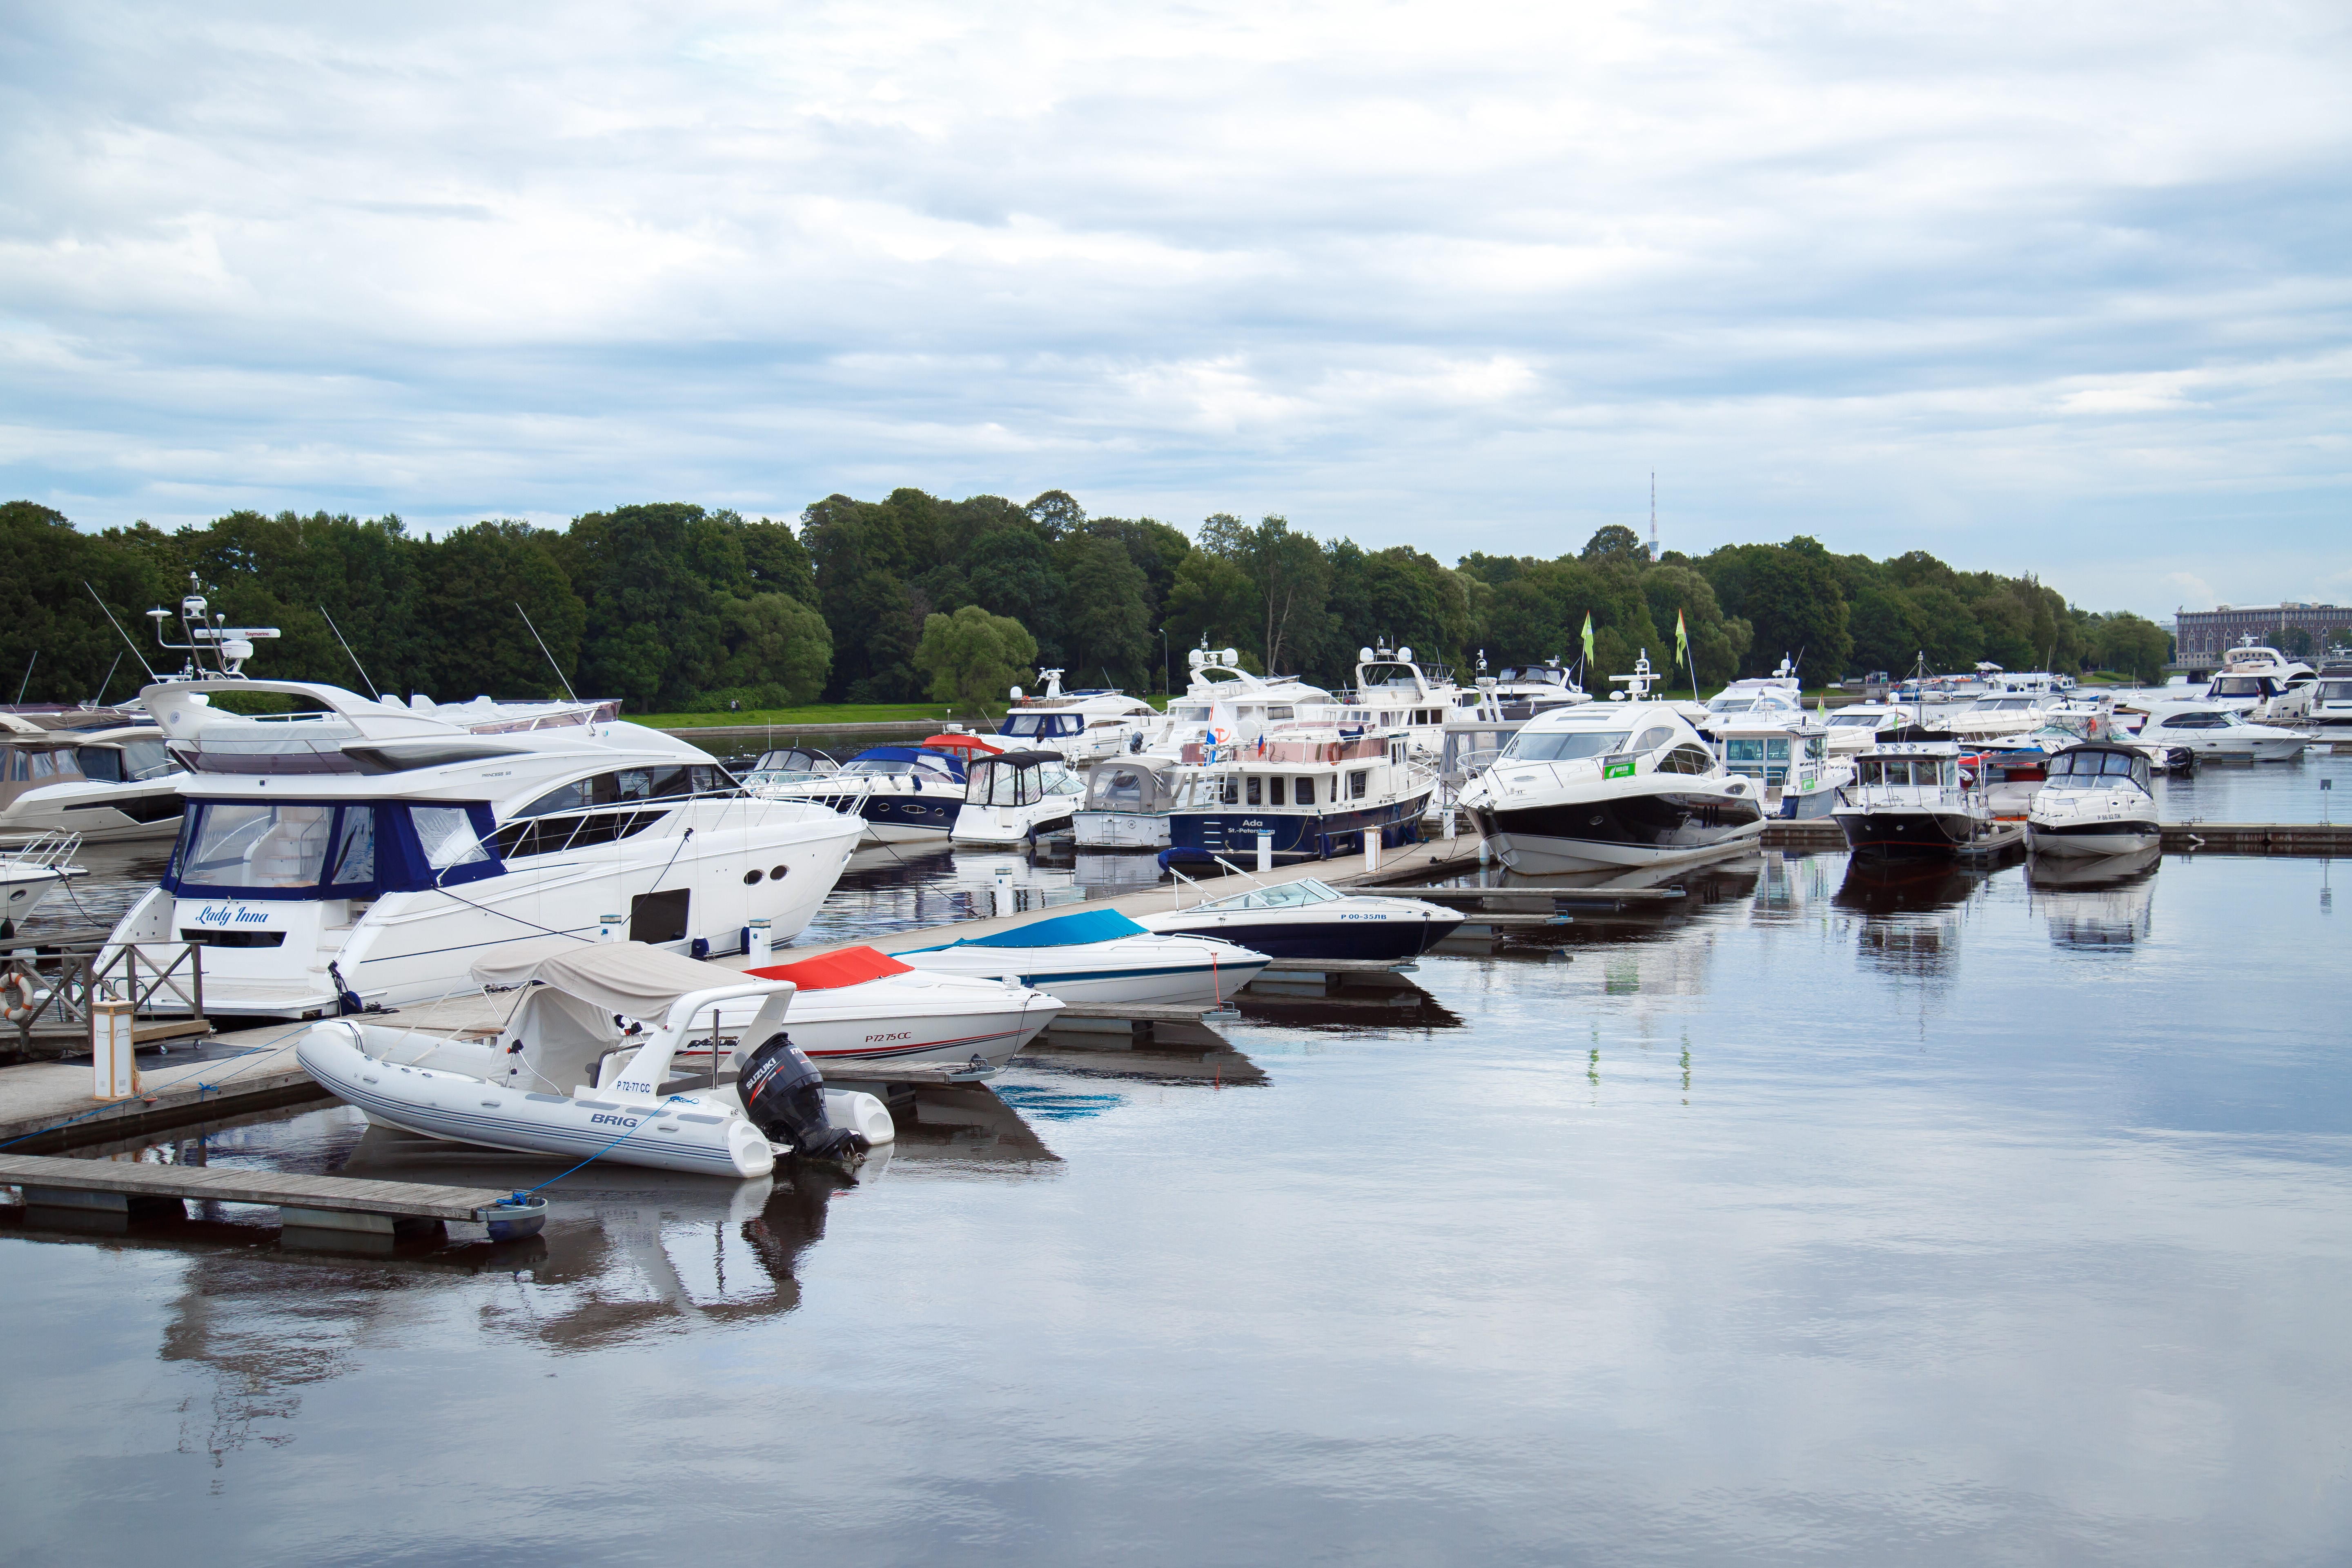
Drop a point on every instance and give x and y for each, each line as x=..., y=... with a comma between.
x=562, y=1079
x=858, y=1004
x=1100, y=956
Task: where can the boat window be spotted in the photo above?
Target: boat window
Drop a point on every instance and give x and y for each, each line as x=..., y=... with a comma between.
x=1686, y=758
x=1281, y=710
x=1658, y=735
x=1357, y=782
x=1886, y=771
x=240, y=846
x=1250, y=792
x=1274, y=790
x=1561, y=745
x=1305, y=792
x=144, y=760
x=1743, y=750
x=1190, y=713
x=1776, y=751
x=2239, y=686
x=2114, y=764
x=447, y=834
x=353, y=860
x=1864, y=719
x=45, y=764
x=547, y=835
x=101, y=763
x=1232, y=791
x=2336, y=691
x=1728, y=705
x=16, y=765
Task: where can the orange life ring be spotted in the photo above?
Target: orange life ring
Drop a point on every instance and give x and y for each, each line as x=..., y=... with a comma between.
x=20, y=984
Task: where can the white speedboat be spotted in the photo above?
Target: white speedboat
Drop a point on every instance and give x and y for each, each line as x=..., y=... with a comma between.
x=1080, y=725
x=858, y=1004
x=2215, y=730
x=562, y=1079
x=30, y=874
x=104, y=786
x=1909, y=801
x=1305, y=919
x=1997, y=714
x=1009, y=797
x=364, y=852
x=1102, y=957
x=1622, y=784
x=2094, y=800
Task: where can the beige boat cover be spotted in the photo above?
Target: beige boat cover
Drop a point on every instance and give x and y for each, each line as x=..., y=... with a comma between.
x=626, y=977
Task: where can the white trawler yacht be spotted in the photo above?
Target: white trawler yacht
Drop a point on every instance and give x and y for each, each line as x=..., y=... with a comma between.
x=1225, y=708
x=1620, y=783
x=367, y=852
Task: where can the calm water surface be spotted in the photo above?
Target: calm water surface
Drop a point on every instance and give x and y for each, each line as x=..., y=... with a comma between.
x=1837, y=1217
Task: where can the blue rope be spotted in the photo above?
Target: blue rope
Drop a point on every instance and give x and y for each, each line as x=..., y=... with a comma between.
x=522, y=1195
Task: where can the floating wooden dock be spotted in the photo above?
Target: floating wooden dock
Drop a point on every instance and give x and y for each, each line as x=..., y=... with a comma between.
x=2322, y=838
x=303, y=1202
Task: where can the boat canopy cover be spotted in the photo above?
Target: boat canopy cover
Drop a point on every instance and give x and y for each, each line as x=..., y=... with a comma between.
x=946, y=743
x=1018, y=759
x=1062, y=931
x=850, y=966
x=626, y=977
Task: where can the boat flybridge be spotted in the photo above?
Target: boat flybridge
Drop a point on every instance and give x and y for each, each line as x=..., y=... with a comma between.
x=2264, y=685
x=1627, y=782
x=1517, y=692
x=366, y=851
x=1395, y=691
x=1080, y=725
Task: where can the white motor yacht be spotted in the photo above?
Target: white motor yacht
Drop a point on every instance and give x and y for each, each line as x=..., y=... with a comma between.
x=1858, y=726
x=1313, y=788
x=2095, y=799
x=1009, y=797
x=858, y=1004
x=364, y=852
x=1909, y=801
x=2331, y=698
x=1789, y=758
x=1102, y=957
x=1395, y=691
x=1306, y=918
x=1622, y=784
x=904, y=794
x=1997, y=714
x=1777, y=696
x=104, y=785
x=31, y=873
x=2264, y=685
x=561, y=1077
x=2216, y=731
x=1517, y=692
x=1080, y=725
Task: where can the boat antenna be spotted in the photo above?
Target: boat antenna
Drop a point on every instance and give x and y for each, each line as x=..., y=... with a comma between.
x=119, y=631
x=100, y=699
x=28, y=675
x=543, y=647
x=349, y=655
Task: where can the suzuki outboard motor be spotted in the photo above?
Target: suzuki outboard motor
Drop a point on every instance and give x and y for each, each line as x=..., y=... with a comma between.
x=783, y=1094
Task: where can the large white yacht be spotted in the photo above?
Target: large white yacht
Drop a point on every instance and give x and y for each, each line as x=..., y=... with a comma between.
x=1517, y=692
x=906, y=794
x=1080, y=725
x=1776, y=696
x=1623, y=782
x=2264, y=685
x=105, y=785
x=369, y=852
x=1316, y=788
x=2217, y=730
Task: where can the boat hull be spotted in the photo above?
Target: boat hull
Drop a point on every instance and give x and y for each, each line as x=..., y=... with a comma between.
x=1318, y=834
x=2092, y=839
x=1916, y=835
x=1118, y=830
x=1652, y=828
x=1134, y=972
x=885, y=1021
x=1376, y=938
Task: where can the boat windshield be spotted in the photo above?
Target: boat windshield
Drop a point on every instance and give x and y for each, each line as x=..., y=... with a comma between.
x=1562, y=745
x=1285, y=896
x=2239, y=686
x=1868, y=720
x=2336, y=691
x=899, y=765
x=1927, y=773
x=2097, y=770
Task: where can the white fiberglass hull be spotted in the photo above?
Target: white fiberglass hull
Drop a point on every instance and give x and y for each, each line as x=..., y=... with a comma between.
x=1119, y=830
x=1133, y=970
x=95, y=812
x=22, y=888
x=1005, y=824
x=2088, y=839
x=921, y=1017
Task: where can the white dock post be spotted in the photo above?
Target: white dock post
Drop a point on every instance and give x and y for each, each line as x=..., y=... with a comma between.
x=1265, y=851
x=114, y=1066
x=1003, y=891
x=1372, y=850
x=1449, y=825
x=755, y=945
x=608, y=928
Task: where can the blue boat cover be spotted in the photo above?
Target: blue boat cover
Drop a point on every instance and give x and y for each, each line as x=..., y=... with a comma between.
x=1062, y=931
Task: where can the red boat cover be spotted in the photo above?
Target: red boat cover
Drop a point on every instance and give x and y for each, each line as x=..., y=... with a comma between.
x=850, y=966
x=963, y=744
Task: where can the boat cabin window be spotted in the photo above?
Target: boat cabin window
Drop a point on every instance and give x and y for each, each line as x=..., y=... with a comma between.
x=2336, y=691
x=1274, y=790
x=1357, y=782
x=102, y=764
x=45, y=764
x=990, y=783
x=1561, y=745
x=1653, y=737
x=1233, y=792
x=1730, y=705
x=1280, y=712
x=1250, y=792
x=2195, y=722
x=312, y=849
x=632, y=783
x=1037, y=724
x=1189, y=713
x=1305, y=792
x=1686, y=758
x=2239, y=686
x=1924, y=773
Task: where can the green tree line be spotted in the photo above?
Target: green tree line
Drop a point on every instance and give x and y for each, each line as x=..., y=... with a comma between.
x=674, y=607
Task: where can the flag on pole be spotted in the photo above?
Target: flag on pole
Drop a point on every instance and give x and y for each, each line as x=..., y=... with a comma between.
x=1682, y=653
x=1588, y=640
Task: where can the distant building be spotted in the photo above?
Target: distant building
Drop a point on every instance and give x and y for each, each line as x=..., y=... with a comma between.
x=2201, y=638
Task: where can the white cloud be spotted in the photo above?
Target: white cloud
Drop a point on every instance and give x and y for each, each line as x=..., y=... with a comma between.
x=2059, y=289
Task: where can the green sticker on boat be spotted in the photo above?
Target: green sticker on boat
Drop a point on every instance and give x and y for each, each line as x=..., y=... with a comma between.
x=1617, y=771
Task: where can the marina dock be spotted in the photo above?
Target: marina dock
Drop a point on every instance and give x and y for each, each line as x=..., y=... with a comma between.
x=116, y=1187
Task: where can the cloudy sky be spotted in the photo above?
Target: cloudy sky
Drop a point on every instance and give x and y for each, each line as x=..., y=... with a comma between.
x=2065, y=289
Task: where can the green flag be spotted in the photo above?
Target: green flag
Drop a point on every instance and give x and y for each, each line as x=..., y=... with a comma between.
x=1682, y=653
x=1588, y=642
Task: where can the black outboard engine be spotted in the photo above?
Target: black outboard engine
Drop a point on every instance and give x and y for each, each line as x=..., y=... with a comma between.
x=783, y=1094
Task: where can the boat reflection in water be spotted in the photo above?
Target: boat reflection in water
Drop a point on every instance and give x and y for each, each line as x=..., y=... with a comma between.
x=1910, y=912
x=2095, y=903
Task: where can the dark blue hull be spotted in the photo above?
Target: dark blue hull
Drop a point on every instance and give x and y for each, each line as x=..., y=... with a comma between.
x=1320, y=835
x=920, y=814
x=1382, y=942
